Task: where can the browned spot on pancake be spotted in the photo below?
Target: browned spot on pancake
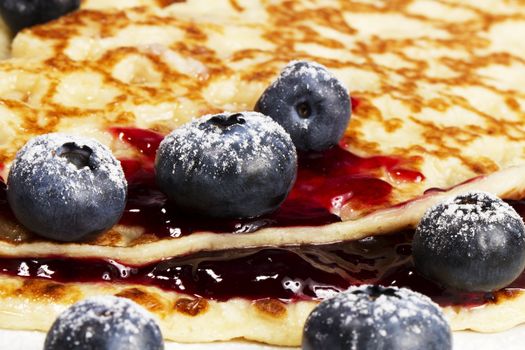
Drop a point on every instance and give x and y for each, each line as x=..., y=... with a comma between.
x=46, y=290
x=512, y=103
x=191, y=307
x=259, y=75
x=393, y=124
x=109, y=238
x=146, y=299
x=355, y=137
x=501, y=296
x=312, y=37
x=289, y=13
x=235, y=4
x=164, y=3
x=270, y=307
x=46, y=32
x=516, y=194
x=144, y=238
x=193, y=32
x=8, y=288
x=367, y=109
x=438, y=104
x=482, y=165
x=244, y=54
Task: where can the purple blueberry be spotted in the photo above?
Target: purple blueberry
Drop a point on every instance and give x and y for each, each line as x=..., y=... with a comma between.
x=238, y=165
x=65, y=187
x=20, y=14
x=376, y=317
x=104, y=323
x=310, y=103
x=472, y=242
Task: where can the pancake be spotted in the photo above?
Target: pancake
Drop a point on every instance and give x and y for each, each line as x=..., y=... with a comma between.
x=438, y=103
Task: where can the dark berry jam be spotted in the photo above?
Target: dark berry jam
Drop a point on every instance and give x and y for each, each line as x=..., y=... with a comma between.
x=145, y=141
x=299, y=273
x=291, y=274
x=325, y=182
x=148, y=207
x=355, y=103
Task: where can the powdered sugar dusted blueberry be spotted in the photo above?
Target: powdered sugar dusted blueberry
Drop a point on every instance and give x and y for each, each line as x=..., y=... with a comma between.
x=227, y=165
x=105, y=323
x=66, y=187
x=376, y=317
x=308, y=69
x=310, y=103
x=472, y=242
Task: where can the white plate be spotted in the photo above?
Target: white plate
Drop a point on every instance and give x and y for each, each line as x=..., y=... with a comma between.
x=513, y=339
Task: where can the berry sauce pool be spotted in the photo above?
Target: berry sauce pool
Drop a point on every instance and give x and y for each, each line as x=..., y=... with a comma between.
x=325, y=182
x=289, y=274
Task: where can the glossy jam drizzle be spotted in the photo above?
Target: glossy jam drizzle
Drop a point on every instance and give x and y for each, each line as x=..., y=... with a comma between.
x=145, y=141
x=303, y=273
x=308, y=272
x=325, y=182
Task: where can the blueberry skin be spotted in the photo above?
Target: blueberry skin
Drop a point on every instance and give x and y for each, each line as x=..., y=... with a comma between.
x=310, y=103
x=66, y=188
x=20, y=14
x=473, y=242
x=376, y=317
x=104, y=323
x=239, y=165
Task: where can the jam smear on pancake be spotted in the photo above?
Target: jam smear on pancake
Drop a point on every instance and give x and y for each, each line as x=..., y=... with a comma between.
x=145, y=141
x=326, y=181
x=289, y=274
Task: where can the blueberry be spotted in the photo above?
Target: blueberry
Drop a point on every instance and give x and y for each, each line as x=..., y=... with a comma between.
x=20, y=14
x=104, y=323
x=472, y=242
x=66, y=188
x=237, y=165
x=310, y=103
x=376, y=317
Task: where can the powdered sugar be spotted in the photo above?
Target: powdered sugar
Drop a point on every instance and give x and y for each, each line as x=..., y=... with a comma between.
x=308, y=69
x=66, y=188
x=383, y=310
x=310, y=103
x=103, y=318
x=232, y=154
x=305, y=73
x=461, y=213
x=40, y=158
x=387, y=305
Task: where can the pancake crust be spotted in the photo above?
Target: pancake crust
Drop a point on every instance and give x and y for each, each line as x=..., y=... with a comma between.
x=439, y=83
x=34, y=305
